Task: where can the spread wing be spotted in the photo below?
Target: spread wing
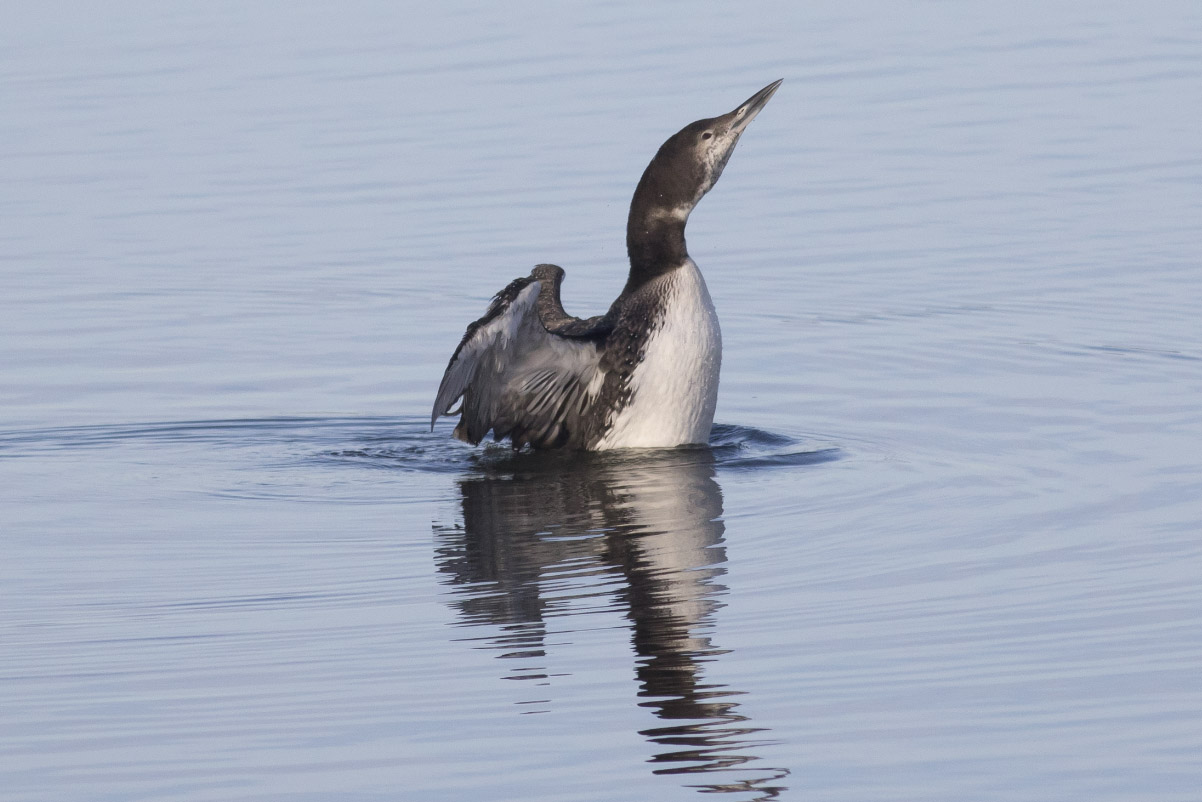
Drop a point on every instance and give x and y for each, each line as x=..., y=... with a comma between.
x=520, y=379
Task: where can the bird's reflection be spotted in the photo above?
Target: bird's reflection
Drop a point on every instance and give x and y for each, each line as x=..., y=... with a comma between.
x=543, y=536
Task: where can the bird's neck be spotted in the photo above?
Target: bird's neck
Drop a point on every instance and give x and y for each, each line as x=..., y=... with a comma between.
x=654, y=235
x=655, y=247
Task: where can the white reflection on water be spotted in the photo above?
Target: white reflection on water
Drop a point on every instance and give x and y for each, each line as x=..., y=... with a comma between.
x=544, y=537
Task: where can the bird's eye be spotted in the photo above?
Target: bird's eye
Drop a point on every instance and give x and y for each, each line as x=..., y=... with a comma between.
x=707, y=135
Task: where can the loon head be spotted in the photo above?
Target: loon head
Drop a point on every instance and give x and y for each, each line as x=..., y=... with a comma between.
x=686, y=167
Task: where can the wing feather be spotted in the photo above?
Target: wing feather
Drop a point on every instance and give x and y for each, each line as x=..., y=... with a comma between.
x=518, y=379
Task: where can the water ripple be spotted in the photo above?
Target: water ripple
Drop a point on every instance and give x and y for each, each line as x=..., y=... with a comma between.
x=387, y=443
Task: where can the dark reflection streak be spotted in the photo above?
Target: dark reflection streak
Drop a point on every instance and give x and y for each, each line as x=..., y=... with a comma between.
x=578, y=523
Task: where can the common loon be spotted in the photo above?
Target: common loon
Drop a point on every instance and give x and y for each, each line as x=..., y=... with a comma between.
x=644, y=374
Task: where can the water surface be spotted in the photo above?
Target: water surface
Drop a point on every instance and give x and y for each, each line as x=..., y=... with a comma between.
x=944, y=543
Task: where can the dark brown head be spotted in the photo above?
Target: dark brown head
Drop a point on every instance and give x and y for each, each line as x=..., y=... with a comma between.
x=686, y=167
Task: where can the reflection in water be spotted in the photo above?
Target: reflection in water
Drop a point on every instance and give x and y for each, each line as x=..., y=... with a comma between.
x=558, y=535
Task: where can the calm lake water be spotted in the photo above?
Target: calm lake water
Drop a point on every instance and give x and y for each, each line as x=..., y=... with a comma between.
x=945, y=545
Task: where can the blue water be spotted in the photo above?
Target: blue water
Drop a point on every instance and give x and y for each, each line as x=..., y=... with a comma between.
x=944, y=543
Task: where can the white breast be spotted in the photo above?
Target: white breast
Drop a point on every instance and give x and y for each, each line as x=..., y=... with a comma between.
x=674, y=390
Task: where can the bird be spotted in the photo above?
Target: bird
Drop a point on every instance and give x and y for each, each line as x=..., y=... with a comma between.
x=644, y=374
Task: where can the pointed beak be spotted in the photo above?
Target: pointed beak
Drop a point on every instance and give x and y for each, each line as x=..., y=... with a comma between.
x=745, y=113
